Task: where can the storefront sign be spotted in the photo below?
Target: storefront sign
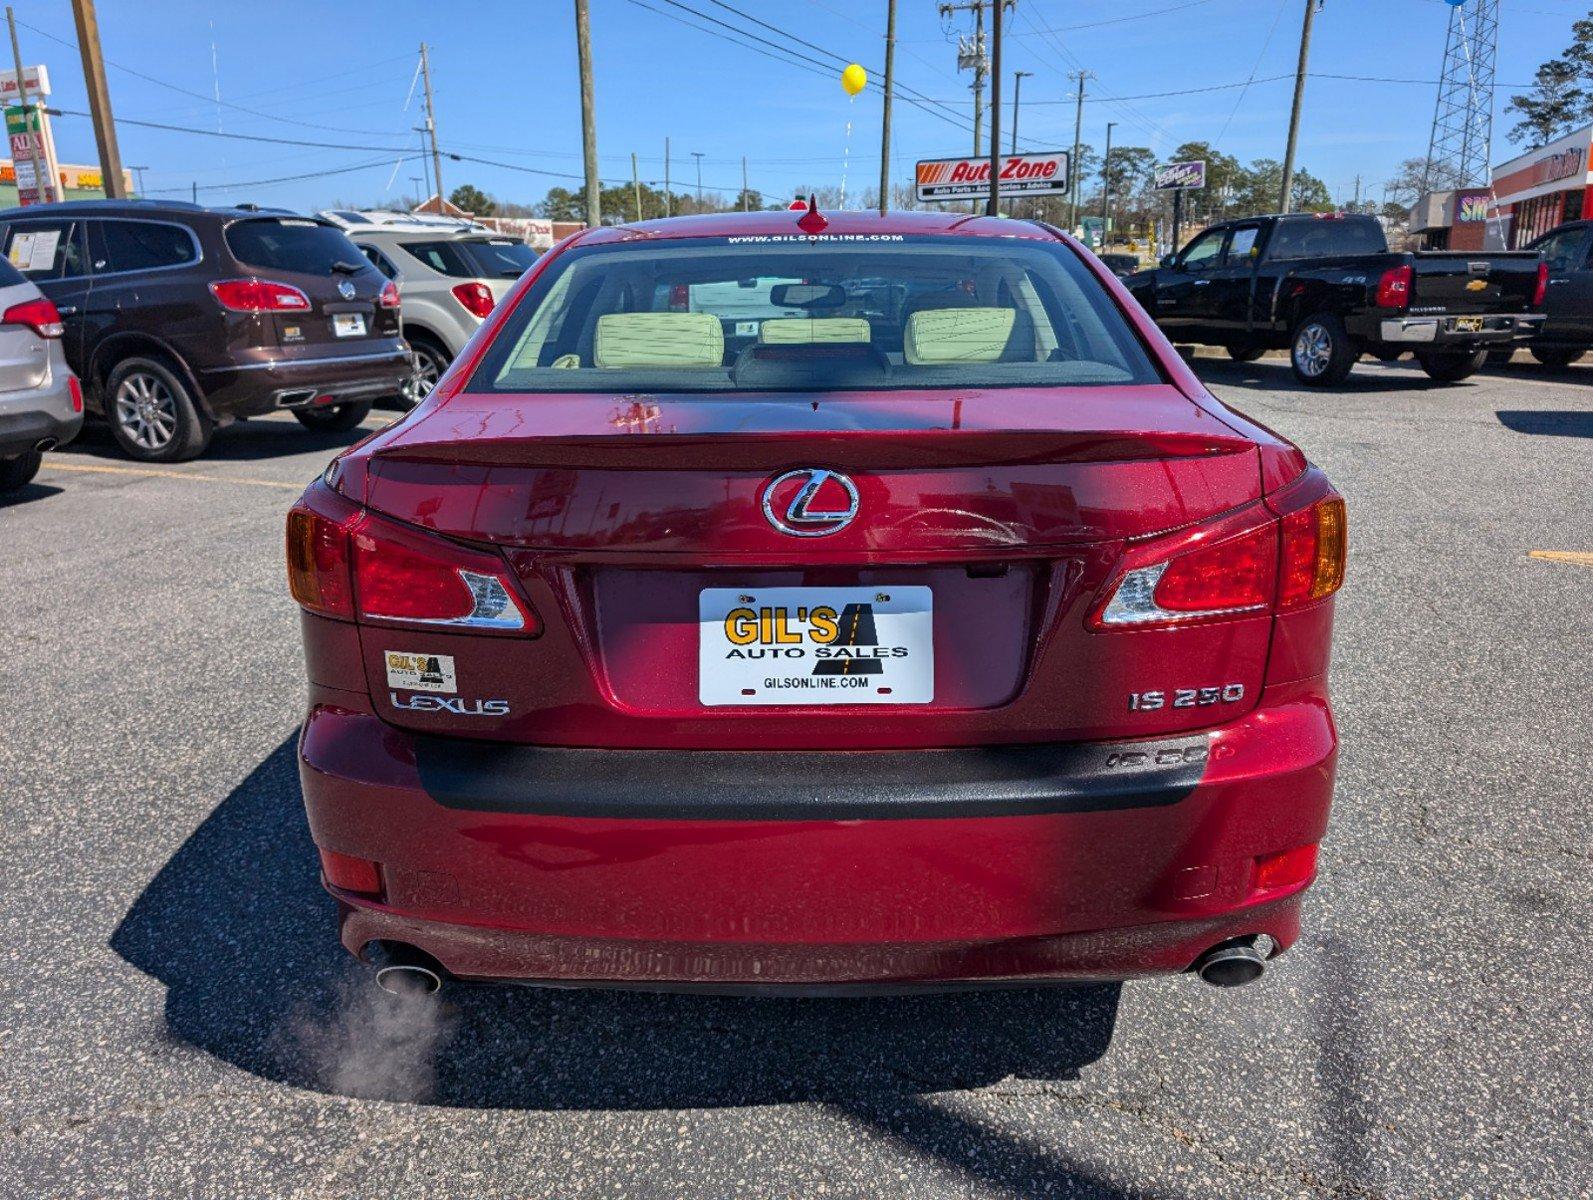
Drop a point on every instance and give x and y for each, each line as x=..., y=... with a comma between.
x=37, y=79
x=969, y=178
x=1560, y=166
x=1471, y=206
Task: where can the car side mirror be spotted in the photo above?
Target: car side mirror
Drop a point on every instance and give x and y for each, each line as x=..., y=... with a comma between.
x=1169, y=260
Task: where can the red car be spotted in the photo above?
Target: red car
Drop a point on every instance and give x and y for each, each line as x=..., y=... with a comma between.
x=777, y=602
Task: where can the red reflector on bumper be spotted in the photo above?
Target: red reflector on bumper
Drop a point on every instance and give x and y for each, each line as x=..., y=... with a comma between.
x=351, y=874
x=1291, y=867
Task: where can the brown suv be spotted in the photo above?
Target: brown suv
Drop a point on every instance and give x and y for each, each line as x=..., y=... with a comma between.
x=181, y=318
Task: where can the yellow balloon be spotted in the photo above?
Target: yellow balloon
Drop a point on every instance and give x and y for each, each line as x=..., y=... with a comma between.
x=854, y=79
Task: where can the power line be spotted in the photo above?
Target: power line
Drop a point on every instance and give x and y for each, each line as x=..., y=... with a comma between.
x=255, y=183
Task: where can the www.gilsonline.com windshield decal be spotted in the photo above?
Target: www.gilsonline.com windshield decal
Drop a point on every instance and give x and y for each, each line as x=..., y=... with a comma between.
x=817, y=237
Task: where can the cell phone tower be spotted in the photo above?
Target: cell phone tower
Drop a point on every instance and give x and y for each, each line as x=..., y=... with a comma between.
x=1458, y=151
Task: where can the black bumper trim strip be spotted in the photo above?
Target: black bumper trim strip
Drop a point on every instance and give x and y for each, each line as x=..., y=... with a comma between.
x=743, y=785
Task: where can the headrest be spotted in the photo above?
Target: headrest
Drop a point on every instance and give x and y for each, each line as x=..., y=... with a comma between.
x=939, y=336
x=666, y=339
x=803, y=331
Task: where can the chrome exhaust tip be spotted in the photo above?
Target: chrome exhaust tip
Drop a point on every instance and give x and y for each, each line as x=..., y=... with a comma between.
x=45, y=444
x=1231, y=964
x=403, y=970
x=295, y=397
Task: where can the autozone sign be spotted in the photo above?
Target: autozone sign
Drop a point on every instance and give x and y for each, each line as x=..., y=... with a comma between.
x=969, y=178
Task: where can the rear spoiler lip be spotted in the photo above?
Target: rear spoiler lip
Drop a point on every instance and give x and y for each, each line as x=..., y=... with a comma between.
x=872, y=449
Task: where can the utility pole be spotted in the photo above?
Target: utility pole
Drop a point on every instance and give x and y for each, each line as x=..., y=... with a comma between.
x=29, y=116
x=972, y=55
x=697, y=154
x=1106, y=188
x=1294, y=112
x=583, y=50
x=425, y=168
x=99, y=98
x=431, y=125
x=1017, y=87
x=636, y=186
x=993, y=202
x=746, y=197
x=885, y=124
x=668, y=199
x=1073, y=163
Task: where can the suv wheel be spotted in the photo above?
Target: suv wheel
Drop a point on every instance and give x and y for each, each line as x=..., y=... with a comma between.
x=430, y=362
x=18, y=472
x=1451, y=366
x=1322, y=353
x=334, y=418
x=152, y=412
x=1553, y=356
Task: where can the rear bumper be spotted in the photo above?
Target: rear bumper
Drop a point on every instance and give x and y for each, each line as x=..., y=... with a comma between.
x=1443, y=331
x=250, y=388
x=818, y=871
x=24, y=431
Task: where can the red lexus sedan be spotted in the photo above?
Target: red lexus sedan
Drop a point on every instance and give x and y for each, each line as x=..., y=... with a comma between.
x=775, y=602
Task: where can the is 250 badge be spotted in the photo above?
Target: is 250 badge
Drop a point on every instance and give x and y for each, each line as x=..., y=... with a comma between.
x=1229, y=693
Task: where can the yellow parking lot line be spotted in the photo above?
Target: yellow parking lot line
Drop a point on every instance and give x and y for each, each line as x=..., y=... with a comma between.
x=155, y=473
x=1570, y=556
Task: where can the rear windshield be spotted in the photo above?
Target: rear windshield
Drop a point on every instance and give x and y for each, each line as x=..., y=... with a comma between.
x=292, y=244
x=497, y=258
x=1326, y=237
x=738, y=314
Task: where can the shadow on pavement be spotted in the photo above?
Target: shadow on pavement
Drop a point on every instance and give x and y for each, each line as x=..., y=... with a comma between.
x=1275, y=375
x=242, y=441
x=238, y=930
x=1550, y=422
x=27, y=493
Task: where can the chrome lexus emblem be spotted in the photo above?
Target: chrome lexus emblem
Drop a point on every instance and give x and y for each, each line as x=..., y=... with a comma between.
x=792, y=502
x=345, y=289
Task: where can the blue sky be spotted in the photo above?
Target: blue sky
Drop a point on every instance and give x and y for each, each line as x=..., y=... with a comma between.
x=505, y=81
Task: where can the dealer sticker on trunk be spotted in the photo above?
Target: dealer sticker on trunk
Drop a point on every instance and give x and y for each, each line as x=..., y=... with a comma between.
x=412, y=671
x=816, y=645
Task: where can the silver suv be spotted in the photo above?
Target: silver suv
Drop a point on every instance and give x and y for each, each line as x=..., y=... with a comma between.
x=450, y=274
x=41, y=402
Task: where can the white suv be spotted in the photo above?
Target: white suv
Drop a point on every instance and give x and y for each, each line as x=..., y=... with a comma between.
x=450, y=274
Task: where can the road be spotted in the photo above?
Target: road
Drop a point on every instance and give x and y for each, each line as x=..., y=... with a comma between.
x=179, y=1019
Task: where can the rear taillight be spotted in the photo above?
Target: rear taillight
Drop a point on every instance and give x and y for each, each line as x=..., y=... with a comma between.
x=476, y=297
x=1288, y=869
x=1228, y=578
x=389, y=297
x=365, y=568
x=351, y=874
x=1314, y=546
x=259, y=295
x=1296, y=560
x=1540, y=290
x=1393, y=289
x=38, y=315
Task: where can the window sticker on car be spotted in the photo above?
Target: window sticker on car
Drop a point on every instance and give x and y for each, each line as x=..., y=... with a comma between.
x=417, y=671
x=35, y=250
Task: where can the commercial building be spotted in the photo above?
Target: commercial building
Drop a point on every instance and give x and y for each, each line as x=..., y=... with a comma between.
x=77, y=183
x=1531, y=194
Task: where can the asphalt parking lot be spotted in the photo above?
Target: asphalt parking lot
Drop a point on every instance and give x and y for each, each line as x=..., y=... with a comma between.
x=180, y=1020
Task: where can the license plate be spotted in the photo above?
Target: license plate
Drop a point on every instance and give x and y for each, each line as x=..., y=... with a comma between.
x=348, y=324
x=1468, y=324
x=816, y=645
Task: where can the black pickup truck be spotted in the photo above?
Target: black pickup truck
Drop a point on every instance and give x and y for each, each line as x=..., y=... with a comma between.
x=1327, y=288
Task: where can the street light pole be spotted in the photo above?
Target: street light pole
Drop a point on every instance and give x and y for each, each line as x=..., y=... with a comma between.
x=993, y=203
x=1294, y=112
x=1106, y=188
x=697, y=154
x=885, y=124
x=29, y=117
x=583, y=50
x=1017, y=88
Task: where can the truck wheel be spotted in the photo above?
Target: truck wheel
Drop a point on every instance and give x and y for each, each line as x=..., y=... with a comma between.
x=1321, y=352
x=18, y=472
x=1555, y=357
x=1451, y=366
x=153, y=416
x=1242, y=352
x=334, y=418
